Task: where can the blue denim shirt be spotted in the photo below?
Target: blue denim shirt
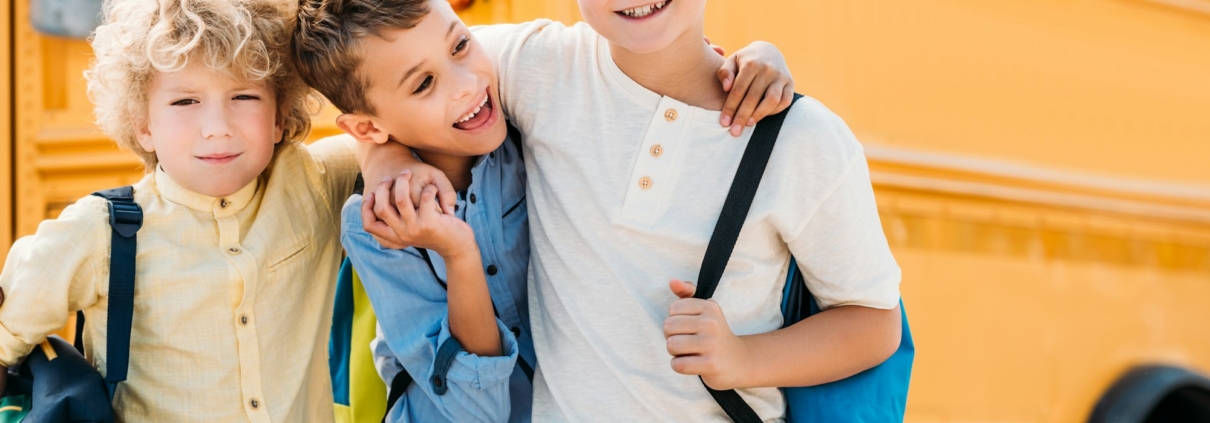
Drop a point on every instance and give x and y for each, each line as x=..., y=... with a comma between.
x=410, y=303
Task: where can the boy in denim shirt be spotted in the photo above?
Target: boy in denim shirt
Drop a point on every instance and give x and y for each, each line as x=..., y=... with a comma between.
x=452, y=308
x=628, y=174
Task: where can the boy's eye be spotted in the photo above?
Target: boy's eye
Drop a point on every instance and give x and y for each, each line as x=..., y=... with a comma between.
x=462, y=44
x=184, y=102
x=424, y=85
x=246, y=97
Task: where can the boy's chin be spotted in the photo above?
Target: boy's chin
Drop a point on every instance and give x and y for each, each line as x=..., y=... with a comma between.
x=645, y=45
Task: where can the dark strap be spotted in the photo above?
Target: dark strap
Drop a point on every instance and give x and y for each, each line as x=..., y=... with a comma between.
x=79, y=344
x=726, y=232
x=514, y=135
x=125, y=218
x=399, y=385
x=424, y=253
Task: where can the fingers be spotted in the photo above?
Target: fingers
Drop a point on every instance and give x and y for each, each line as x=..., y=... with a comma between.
x=681, y=288
x=428, y=203
x=403, y=200
x=692, y=365
x=384, y=207
x=376, y=228
x=446, y=196
x=736, y=93
x=769, y=104
x=752, y=98
x=681, y=325
x=682, y=345
x=787, y=98
x=726, y=75
x=693, y=307
x=717, y=49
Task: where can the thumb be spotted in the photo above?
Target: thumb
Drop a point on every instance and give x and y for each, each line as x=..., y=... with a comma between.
x=726, y=74
x=682, y=289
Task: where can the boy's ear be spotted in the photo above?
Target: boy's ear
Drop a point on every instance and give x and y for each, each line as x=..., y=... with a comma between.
x=279, y=127
x=142, y=134
x=362, y=128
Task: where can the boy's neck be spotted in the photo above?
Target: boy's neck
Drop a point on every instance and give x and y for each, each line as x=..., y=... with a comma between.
x=456, y=168
x=687, y=70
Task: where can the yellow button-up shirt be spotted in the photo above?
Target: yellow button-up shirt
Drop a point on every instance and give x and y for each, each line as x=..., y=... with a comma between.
x=233, y=296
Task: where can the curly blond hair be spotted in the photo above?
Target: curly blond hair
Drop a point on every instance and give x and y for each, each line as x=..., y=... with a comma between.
x=246, y=39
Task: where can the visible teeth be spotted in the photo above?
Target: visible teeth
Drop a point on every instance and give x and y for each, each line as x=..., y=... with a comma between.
x=642, y=11
x=472, y=114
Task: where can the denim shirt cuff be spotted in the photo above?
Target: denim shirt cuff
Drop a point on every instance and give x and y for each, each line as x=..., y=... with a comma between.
x=453, y=365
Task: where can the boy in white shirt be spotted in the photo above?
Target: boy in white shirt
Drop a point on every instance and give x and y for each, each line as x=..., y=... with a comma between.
x=628, y=169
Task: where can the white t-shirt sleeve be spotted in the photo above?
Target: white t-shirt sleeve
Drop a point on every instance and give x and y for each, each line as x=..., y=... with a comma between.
x=842, y=250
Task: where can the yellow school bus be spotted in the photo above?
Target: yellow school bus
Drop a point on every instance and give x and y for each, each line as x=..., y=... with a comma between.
x=1042, y=170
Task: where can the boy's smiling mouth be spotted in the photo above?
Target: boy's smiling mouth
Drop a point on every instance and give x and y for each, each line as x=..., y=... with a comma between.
x=479, y=116
x=644, y=11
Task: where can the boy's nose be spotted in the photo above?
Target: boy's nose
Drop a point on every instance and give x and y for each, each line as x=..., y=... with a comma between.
x=216, y=123
x=468, y=85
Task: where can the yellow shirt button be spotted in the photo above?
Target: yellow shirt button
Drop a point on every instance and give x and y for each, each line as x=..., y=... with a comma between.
x=657, y=150
x=254, y=403
x=645, y=182
x=670, y=115
x=233, y=251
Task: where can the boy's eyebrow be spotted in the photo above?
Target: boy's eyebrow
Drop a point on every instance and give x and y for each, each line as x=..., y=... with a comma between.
x=409, y=73
x=416, y=68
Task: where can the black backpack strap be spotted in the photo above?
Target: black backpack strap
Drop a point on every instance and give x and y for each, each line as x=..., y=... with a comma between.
x=726, y=232
x=125, y=218
x=399, y=385
x=514, y=136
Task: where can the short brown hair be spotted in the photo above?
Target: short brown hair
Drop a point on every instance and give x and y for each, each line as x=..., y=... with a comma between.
x=327, y=43
x=247, y=39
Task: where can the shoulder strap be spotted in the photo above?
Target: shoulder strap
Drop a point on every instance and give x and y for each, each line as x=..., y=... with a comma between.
x=125, y=219
x=399, y=385
x=514, y=136
x=726, y=232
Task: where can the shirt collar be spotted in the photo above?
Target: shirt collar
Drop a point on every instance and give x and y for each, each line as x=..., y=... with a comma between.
x=204, y=203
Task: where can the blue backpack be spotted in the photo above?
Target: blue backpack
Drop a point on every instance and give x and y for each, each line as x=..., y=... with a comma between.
x=876, y=395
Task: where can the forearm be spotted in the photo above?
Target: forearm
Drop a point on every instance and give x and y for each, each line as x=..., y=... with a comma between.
x=471, y=316
x=379, y=161
x=826, y=347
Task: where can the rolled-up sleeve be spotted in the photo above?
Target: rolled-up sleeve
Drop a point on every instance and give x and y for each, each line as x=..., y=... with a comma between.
x=52, y=273
x=412, y=311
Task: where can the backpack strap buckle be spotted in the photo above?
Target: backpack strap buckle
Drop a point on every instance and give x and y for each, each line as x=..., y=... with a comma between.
x=126, y=218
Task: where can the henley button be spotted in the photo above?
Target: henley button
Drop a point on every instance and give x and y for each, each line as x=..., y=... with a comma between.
x=657, y=150
x=670, y=115
x=645, y=182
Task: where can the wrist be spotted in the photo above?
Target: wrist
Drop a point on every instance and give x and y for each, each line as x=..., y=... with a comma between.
x=744, y=375
x=460, y=252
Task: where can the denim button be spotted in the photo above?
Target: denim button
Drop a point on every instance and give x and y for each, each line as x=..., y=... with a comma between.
x=516, y=331
x=492, y=270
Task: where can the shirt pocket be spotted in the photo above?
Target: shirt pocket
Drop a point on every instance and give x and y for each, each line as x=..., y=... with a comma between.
x=282, y=258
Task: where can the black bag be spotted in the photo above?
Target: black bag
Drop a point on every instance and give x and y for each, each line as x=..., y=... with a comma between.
x=62, y=384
